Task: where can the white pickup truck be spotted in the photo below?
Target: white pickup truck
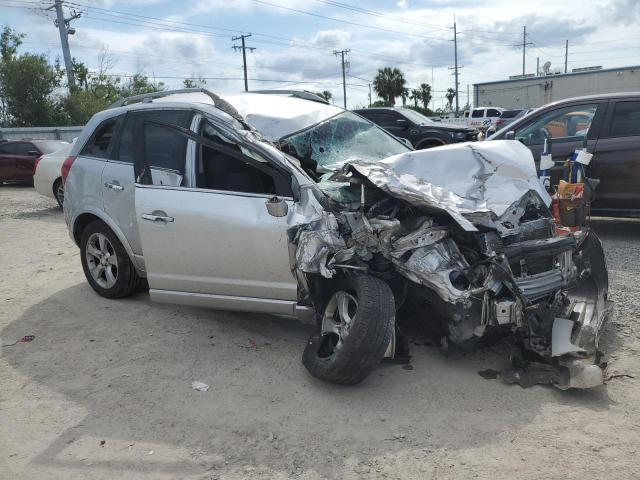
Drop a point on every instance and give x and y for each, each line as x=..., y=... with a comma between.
x=480, y=118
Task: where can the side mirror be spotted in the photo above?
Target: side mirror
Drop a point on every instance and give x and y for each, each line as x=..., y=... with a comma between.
x=510, y=135
x=277, y=207
x=33, y=153
x=402, y=123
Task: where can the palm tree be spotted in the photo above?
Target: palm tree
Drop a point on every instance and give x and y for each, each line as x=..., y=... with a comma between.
x=389, y=84
x=425, y=94
x=405, y=94
x=450, y=95
x=416, y=95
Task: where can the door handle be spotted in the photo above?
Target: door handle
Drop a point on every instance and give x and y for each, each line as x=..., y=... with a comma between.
x=157, y=218
x=114, y=186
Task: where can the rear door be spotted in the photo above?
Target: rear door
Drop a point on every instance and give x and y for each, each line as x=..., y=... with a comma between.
x=118, y=176
x=389, y=121
x=617, y=158
x=25, y=157
x=216, y=238
x=566, y=127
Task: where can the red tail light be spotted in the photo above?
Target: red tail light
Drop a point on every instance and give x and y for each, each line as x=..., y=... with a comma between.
x=499, y=122
x=66, y=166
x=35, y=163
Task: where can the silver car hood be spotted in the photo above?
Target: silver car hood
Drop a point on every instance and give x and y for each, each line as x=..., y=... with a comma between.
x=461, y=179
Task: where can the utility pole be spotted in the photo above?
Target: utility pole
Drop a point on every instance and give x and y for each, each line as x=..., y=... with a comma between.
x=524, y=48
x=468, y=104
x=537, y=66
x=433, y=89
x=455, y=55
x=244, y=49
x=369, y=95
x=344, y=78
x=566, y=55
x=65, y=29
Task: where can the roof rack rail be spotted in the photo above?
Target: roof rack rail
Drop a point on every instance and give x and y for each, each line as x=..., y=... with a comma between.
x=218, y=102
x=295, y=93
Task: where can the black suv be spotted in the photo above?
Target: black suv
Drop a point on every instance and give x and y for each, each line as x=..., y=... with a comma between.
x=421, y=131
x=611, y=125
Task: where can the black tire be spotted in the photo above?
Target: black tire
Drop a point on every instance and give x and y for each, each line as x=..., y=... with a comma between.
x=57, y=186
x=368, y=336
x=426, y=144
x=126, y=278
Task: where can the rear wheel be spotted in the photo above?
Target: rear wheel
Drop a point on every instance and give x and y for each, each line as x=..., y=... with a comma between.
x=106, y=263
x=58, y=191
x=357, y=325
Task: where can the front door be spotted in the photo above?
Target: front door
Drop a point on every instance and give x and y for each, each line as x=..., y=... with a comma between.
x=617, y=159
x=566, y=129
x=212, y=235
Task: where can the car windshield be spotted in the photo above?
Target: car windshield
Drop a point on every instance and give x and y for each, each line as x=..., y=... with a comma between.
x=346, y=136
x=416, y=117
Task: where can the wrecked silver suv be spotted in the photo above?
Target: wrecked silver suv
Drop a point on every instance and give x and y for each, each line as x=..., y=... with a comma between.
x=271, y=203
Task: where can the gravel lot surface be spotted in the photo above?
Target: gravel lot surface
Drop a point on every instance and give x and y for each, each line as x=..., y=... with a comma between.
x=104, y=390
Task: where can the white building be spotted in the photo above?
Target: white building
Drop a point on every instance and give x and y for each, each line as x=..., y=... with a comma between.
x=530, y=91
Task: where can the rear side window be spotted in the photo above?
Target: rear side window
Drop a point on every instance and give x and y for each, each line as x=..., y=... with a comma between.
x=157, y=152
x=8, y=148
x=492, y=112
x=26, y=149
x=478, y=113
x=101, y=143
x=626, y=119
x=510, y=113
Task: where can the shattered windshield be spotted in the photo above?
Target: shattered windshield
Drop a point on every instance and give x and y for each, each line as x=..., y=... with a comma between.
x=346, y=136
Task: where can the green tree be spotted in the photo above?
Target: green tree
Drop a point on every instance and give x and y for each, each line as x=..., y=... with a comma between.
x=194, y=83
x=326, y=94
x=389, y=84
x=415, y=96
x=450, y=95
x=27, y=83
x=425, y=95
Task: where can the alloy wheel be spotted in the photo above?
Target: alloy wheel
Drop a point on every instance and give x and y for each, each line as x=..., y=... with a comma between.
x=102, y=260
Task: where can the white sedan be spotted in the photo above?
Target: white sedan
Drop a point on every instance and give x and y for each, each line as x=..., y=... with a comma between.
x=46, y=179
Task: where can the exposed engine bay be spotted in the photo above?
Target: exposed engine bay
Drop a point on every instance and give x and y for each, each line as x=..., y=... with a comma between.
x=464, y=237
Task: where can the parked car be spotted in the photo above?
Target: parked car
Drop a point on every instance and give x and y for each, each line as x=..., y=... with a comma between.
x=19, y=158
x=413, y=126
x=610, y=124
x=47, y=179
x=480, y=118
x=281, y=205
x=507, y=117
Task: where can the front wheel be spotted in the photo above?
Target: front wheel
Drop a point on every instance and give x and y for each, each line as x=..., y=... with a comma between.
x=106, y=263
x=358, y=322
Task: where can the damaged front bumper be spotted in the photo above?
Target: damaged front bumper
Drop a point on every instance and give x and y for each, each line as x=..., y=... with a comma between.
x=468, y=273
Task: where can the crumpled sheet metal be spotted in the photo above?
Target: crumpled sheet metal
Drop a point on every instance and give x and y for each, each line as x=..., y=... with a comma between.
x=459, y=178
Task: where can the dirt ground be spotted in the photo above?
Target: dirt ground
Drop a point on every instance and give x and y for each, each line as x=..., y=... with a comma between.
x=104, y=390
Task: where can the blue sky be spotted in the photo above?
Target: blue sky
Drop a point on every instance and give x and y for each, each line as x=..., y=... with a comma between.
x=168, y=40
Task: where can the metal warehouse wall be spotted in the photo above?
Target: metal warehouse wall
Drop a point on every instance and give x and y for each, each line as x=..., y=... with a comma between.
x=40, y=133
x=538, y=91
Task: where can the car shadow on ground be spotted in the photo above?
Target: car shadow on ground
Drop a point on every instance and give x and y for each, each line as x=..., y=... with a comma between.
x=130, y=363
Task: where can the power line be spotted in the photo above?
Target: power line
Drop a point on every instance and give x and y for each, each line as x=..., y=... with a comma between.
x=348, y=22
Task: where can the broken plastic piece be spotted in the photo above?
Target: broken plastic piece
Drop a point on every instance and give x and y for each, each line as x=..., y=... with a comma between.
x=199, y=386
x=561, y=338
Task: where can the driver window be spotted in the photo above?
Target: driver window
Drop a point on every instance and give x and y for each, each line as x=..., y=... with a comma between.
x=216, y=170
x=565, y=124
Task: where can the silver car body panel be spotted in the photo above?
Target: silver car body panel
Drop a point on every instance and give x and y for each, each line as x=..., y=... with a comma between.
x=218, y=243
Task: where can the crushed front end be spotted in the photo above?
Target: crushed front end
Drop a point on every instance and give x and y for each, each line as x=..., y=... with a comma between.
x=467, y=264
